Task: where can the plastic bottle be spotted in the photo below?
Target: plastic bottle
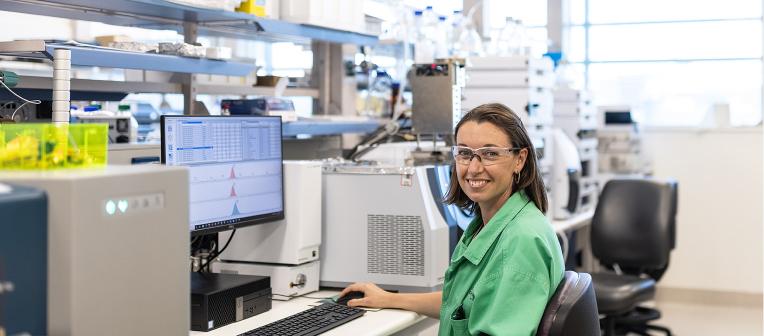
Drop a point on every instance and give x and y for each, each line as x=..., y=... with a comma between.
x=429, y=16
x=470, y=42
x=504, y=43
x=417, y=27
x=455, y=30
x=381, y=92
x=73, y=113
x=441, y=38
x=92, y=108
x=521, y=39
x=424, y=49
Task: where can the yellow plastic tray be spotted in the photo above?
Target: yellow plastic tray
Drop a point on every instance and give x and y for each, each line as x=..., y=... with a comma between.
x=50, y=146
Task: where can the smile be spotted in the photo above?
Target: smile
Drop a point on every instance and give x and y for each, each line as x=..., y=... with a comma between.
x=477, y=183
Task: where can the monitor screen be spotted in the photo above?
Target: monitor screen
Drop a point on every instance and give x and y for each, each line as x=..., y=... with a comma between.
x=235, y=168
x=618, y=118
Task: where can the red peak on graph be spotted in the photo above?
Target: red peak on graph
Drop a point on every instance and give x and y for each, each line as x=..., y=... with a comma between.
x=233, y=191
x=233, y=174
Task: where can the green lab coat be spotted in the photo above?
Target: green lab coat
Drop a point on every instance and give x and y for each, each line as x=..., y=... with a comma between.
x=499, y=282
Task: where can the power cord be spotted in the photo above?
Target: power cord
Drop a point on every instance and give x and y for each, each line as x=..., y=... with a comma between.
x=212, y=256
x=35, y=102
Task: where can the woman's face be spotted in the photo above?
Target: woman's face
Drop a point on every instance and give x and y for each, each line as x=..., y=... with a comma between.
x=488, y=185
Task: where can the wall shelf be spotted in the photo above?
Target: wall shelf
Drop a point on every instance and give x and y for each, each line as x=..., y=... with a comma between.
x=191, y=22
x=93, y=85
x=160, y=14
x=111, y=86
x=321, y=126
x=111, y=58
x=242, y=90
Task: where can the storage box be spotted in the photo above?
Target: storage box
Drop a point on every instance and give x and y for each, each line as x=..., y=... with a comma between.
x=269, y=80
x=336, y=14
x=104, y=40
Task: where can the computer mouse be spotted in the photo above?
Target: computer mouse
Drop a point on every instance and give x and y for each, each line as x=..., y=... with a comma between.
x=349, y=296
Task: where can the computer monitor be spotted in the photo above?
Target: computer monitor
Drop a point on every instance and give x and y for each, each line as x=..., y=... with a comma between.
x=235, y=168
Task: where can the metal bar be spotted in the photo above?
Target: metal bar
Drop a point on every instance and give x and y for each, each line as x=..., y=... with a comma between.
x=678, y=60
x=189, y=86
x=315, y=32
x=190, y=32
x=557, y=16
x=586, y=44
x=328, y=127
x=189, y=90
x=242, y=90
x=319, y=77
x=82, y=11
x=662, y=22
x=231, y=23
x=36, y=82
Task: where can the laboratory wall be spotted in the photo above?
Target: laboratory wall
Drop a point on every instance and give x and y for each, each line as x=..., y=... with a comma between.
x=719, y=224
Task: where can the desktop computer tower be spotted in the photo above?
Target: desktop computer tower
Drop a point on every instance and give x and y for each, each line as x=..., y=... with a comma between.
x=383, y=224
x=118, y=249
x=221, y=299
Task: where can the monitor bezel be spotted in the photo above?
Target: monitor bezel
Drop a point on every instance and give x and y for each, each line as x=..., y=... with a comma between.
x=247, y=221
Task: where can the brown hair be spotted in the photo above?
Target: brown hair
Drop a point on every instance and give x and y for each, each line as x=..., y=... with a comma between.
x=530, y=178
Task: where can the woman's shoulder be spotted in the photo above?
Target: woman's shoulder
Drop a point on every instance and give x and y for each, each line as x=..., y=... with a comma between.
x=529, y=222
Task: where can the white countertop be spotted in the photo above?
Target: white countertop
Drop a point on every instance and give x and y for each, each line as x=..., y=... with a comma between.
x=374, y=322
x=573, y=223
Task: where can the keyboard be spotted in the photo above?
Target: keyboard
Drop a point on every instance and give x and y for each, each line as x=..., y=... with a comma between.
x=309, y=322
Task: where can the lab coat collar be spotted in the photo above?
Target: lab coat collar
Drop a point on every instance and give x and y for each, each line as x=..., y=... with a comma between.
x=478, y=247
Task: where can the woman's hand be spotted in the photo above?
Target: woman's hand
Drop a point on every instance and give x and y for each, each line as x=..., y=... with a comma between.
x=373, y=296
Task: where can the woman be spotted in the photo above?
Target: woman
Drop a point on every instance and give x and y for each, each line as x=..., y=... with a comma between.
x=508, y=263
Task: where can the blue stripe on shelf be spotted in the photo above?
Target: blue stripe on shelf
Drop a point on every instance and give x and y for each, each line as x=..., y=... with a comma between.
x=134, y=60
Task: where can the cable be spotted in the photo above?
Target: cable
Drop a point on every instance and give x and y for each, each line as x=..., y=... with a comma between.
x=382, y=133
x=17, y=109
x=36, y=102
x=197, y=244
x=212, y=256
x=209, y=255
x=315, y=297
x=19, y=97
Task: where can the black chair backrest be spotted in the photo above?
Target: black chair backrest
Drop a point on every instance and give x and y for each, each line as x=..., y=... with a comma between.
x=572, y=310
x=634, y=223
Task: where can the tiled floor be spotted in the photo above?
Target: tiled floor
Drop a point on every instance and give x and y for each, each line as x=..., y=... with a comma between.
x=690, y=319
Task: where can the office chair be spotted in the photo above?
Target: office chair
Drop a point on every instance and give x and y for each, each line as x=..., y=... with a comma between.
x=632, y=233
x=572, y=310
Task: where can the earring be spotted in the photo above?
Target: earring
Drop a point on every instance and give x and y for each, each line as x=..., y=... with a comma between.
x=517, y=180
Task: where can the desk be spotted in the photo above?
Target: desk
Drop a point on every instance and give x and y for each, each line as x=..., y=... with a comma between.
x=381, y=322
x=574, y=223
x=580, y=222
